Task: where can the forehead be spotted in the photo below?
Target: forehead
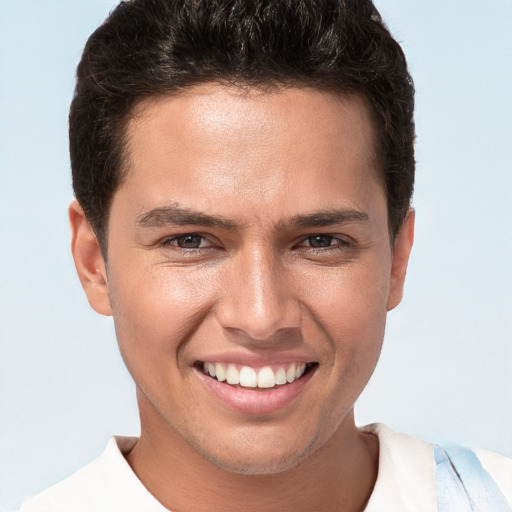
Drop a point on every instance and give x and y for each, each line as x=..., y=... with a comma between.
x=214, y=144
x=218, y=112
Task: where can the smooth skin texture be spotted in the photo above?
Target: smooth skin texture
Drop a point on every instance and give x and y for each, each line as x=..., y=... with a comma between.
x=250, y=225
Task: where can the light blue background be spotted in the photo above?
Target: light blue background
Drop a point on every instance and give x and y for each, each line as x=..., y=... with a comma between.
x=445, y=372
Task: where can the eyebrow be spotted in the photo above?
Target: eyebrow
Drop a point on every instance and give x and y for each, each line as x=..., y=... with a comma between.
x=325, y=218
x=176, y=215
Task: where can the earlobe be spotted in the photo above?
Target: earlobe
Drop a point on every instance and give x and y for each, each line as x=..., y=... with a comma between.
x=89, y=262
x=402, y=250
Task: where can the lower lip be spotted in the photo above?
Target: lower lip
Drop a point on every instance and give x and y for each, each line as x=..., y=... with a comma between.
x=255, y=401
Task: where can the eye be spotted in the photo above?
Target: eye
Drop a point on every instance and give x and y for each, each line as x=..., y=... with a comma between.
x=322, y=241
x=188, y=241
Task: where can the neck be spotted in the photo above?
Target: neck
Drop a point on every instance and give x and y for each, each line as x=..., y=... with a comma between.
x=339, y=476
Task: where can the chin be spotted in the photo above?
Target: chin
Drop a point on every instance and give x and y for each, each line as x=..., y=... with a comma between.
x=257, y=458
x=256, y=465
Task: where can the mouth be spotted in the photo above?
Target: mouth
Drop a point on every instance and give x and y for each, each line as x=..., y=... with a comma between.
x=265, y=378
x=256, y=389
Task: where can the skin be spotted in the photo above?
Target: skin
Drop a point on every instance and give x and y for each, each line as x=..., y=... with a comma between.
x=264, y=166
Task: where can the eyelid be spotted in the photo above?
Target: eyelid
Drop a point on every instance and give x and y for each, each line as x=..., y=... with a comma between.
x=342, y=240
x=169, y=241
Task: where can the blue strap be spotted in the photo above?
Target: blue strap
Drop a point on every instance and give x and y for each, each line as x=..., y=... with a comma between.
x=463, y=485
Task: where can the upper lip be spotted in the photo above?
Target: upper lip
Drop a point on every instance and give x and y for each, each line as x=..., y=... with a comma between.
x=246, y=358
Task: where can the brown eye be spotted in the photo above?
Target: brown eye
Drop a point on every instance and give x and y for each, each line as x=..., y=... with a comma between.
x=320, y=241
x=189, y=241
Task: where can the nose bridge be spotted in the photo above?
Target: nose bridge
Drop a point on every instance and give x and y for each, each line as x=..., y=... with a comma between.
x=258, y=296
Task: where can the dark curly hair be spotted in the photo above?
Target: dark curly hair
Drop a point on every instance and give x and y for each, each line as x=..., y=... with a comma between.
x=153, y=47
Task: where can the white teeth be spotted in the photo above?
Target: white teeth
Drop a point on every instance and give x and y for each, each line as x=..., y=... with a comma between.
x=290, y=374
x=248, y=377
x=232, y=375
x=266, y=378
x=281, y=376
x=220, y=373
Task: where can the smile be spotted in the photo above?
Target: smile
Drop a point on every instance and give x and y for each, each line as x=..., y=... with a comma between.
x=257, y=388
x=266, y=377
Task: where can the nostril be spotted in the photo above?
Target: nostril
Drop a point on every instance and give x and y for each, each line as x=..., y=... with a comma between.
x=259, y=296
x=262, y=324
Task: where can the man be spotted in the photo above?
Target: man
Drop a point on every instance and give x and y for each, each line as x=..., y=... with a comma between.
x=243, y=175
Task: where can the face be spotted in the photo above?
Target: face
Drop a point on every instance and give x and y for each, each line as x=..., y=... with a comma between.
x=249, y=270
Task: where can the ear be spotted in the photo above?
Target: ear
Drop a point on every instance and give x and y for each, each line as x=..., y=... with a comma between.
x=89, y=262
x=402, y=249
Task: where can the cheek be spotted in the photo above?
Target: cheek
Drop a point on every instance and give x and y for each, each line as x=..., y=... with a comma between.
x=352, y=299
x=351, y=310
x=157, y=309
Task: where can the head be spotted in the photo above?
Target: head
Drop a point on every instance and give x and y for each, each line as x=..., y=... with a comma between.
x=151, y=48
x=244, y=173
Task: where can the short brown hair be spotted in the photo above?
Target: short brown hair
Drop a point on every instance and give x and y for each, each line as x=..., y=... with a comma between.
x=154, y=47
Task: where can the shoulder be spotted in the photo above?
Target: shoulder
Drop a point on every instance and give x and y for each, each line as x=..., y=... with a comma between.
x=406, y=477
x=106, y=484
x=408, y=473
x=500, y=469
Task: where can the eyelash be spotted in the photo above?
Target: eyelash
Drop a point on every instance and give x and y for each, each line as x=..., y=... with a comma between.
x=172, y=242
x=340, y=243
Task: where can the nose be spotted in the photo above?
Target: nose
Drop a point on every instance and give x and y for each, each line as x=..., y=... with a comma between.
x=258, y=297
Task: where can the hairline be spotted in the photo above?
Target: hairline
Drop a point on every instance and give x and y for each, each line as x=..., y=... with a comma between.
x=244, y=86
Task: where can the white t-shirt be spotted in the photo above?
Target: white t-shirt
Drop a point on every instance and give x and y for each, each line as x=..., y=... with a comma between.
x=406, y=480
